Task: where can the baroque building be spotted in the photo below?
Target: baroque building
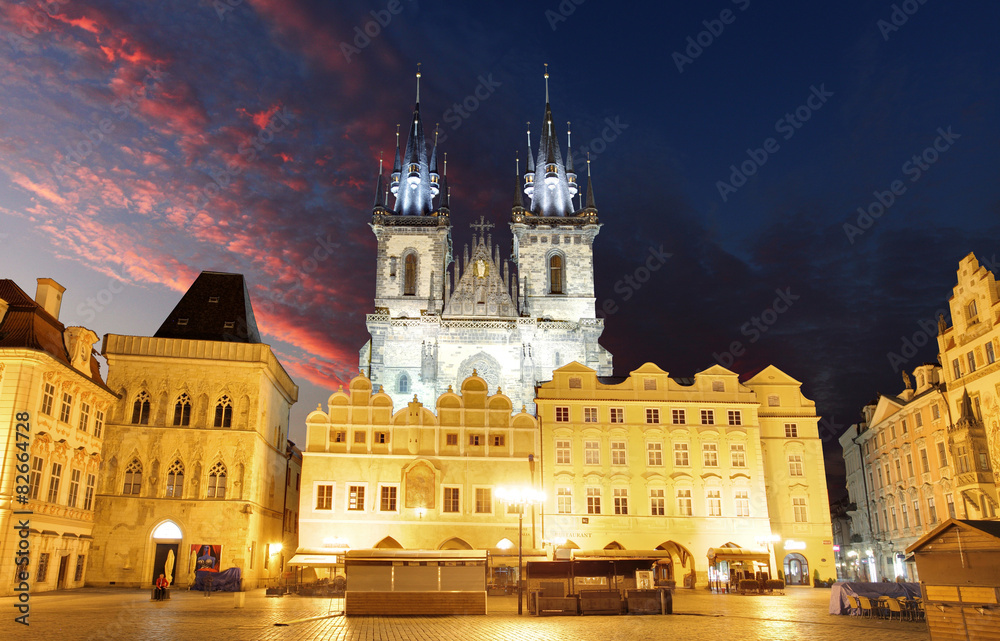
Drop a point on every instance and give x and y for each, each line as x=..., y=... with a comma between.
x=51, y=382
x=438, y=317
x=196, y=450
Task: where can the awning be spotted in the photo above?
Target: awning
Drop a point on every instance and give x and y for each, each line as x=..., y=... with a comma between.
x=317, y=560
x=621, y=554
x=737, y=554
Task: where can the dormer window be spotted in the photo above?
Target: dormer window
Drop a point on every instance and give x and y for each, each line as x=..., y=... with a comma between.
x=213, y=299
x=182, y=321
x=229, y=325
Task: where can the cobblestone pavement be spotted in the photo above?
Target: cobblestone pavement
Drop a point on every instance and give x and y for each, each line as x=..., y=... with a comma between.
x=129, y=614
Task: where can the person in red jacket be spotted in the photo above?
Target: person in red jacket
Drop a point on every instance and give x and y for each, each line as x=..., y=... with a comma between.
x=161, y=588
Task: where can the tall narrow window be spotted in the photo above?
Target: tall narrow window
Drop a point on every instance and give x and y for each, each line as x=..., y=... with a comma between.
x=738, y=455
x=684, y=502
x=556, y=274
x=133, y=478
x=387, y=498
x=56, y=477
x=140, y=409
x=451, y=499
x=182, y=411
x=84, y=417
x=713, y=499
x=710, y=454
x=74, y=488
x=654, y=454
x=410, y=275
x=356, y=498
x=618, y=454
x=657, y=502
x=324, y=497
x=621, y=500
x=98, y=423
x=217, y=481
x=48, y=398
x=67, y=407
x=88, y=494
x=224, y=412
x=681, y=458
x=742, y=503
x=593, y=500
x=799, y=510
x=592, y=452
x=564, y=500
x=175, y=480
x=990, y=355
x=403, y=385
x=562, y=452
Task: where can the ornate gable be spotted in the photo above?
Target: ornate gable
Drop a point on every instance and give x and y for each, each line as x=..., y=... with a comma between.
x=481, y=290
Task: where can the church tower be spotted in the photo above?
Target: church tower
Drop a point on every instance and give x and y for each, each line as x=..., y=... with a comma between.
x=553, y=242
x=414, y=238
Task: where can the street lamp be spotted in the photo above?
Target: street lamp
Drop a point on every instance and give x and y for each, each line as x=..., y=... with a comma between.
x=520, y=496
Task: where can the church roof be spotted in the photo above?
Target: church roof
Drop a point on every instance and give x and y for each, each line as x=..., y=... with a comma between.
x=215, y=308
x=27, y=325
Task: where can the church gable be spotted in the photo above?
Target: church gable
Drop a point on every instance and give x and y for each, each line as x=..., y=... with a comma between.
x=481, y=291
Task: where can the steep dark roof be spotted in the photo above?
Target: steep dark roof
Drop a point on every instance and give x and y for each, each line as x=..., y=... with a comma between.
x=28, y=326
x=215, y=308
x=989, y=527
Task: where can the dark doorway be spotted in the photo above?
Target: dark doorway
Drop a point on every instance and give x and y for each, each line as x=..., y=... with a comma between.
x=63, y=570
x=160, y=560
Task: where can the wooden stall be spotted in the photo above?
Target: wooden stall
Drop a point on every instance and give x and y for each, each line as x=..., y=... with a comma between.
x=959, y=567
x=415, y=582
x=596, y=586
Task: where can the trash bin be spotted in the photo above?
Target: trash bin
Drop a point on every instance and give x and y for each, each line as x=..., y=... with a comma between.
x=241, y=598
x=667, y=600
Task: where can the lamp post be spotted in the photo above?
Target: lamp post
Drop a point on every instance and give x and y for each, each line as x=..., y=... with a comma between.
x=520, y=497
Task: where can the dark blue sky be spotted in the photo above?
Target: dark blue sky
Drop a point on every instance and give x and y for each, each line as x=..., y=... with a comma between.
x=270, y=90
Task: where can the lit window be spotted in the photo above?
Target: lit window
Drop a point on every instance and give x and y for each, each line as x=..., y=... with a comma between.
x=684, y=502
x=710, y=454
x=592, y=453
x=182, y=411
x=324, y=497
x=617, y=415
x=48, y=398
x=677, y=417
x=742, y=503
x=652, y=415
x=484, y=500
x=654, y=454
x=657, y=503
x=175, y=480
x=133, y=478
x=681, y=455
x=795, y=465
x=738, y=455
x=564, y=500
x=799, y=510
x=556, y=274
x=410, y=275
x=593, y=500
x=735, y=417
x=562, y=453
x=217, y=481
x=451, y=499
x=498, y=440
x=140, y=409
x=621, y=500
x=474, y=439
x=224, y=412
x=356, y=498
x=713, y=500
x=590, y=415
x=618, y=456
x=562, y=414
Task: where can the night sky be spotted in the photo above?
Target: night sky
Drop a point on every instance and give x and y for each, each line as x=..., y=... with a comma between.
x=143, y=142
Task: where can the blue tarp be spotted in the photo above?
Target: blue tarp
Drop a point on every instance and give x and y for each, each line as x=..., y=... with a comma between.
x=225, y=581
x=840, y=592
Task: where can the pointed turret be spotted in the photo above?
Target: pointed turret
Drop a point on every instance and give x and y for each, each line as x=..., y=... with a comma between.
x=379, y=189
x=518, y=197
x=435, y=177
x=415, y=192
x=529, y=175
x=570, y=174
x=443, y=207
x=590, y=191
x=396, y=168
x=555, y=199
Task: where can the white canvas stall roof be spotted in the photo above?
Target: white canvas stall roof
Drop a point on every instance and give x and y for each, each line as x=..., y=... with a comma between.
x=318, y=557
x=415, y=555
x=737, y=554
x=621, y=554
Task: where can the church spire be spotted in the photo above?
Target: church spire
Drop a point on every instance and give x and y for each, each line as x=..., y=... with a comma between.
x=529, y=175
x=445, y=193
x=396, y=167
x=518, y=198
x=435, y=177
x=379, y=203
x=553, y=197
x=415, y=191
x=590, y=190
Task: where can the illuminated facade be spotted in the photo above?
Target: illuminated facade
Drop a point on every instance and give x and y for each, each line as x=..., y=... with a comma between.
x=438, y=317
x=196, y=450
x=378, y=476
x=654, y=462
x=49, y=371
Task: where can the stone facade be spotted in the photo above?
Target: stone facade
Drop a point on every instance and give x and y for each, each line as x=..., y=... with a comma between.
x=654, y=462
x=195, y=453
x=53, y=385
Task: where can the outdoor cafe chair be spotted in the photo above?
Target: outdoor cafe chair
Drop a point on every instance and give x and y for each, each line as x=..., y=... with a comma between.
x=892, y=606
x=866, y=606
x=852, y=603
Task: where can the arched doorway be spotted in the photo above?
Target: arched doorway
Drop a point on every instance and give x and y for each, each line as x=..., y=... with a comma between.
x=388, y=543
x=681, y=569
x=455, y=543
x=796, y=569
x=166, y=540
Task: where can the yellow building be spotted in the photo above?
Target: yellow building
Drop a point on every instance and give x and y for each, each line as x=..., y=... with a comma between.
x=375, y=476
x=651, y=462
x=49, y=373
x=968, y=353
x=196, y=449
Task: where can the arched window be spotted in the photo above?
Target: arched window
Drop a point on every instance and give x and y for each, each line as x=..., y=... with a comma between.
x=556, y=274
x=175, y=480
x=140, y=409
x=403, y=386
x=224, y=412
x=410, y=275
x=133, y=478
x=182, y=411
x=217, y=481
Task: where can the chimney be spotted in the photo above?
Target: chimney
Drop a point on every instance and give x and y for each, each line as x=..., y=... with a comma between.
x=49, y=296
